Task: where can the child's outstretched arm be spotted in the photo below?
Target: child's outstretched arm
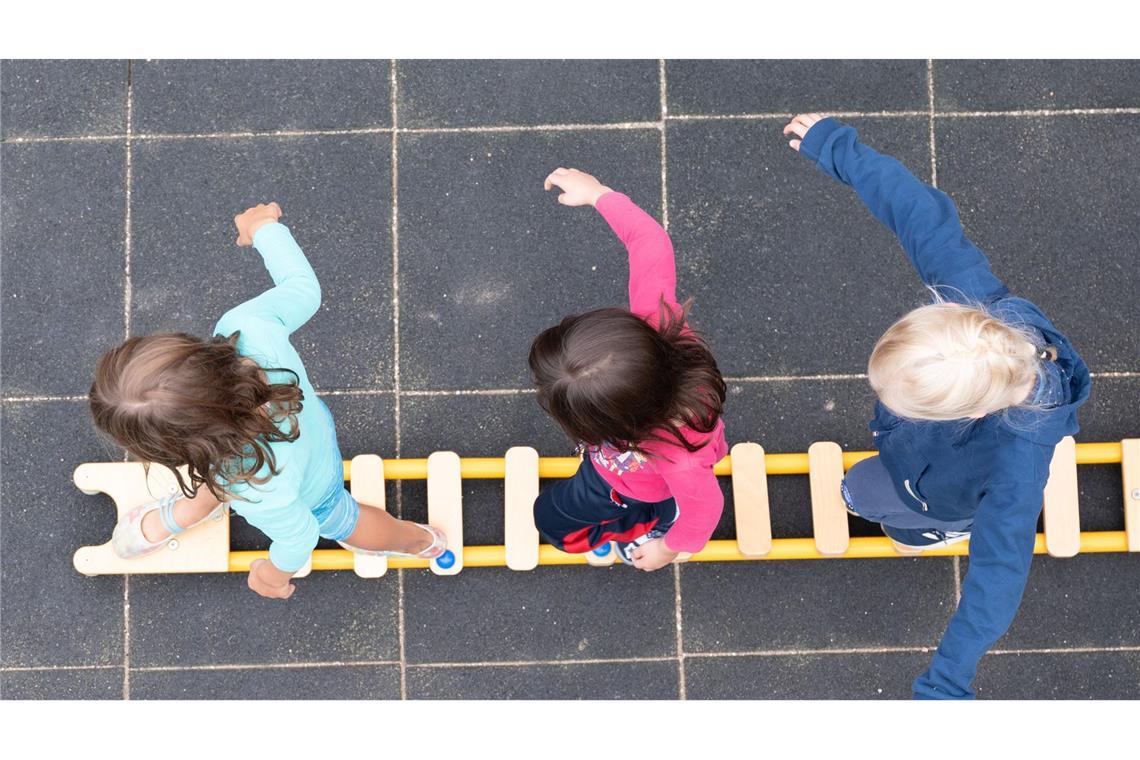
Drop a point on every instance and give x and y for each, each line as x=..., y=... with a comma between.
x=1001, y=550
x=296, y=294
x=924, y=218
x=652, y=268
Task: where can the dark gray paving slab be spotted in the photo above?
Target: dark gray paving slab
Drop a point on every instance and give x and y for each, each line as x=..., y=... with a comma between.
x=335, y=191
x=89, y=683
x=63, y=209
x=258, y=95
x=489, y=93
x=62, y=98
x=790, y=272
x=788, y=416
x=1057, y=213
x=886, y=675
x=1064, y=675
x=487, y=259
x=621, y=680
x=816, y=604
x=1091, y=600
x=552, y=613
x=216, y=619
x=49, y=613
x=974, y=85
x=336, y=682
x=474, y=426
x=737, y=87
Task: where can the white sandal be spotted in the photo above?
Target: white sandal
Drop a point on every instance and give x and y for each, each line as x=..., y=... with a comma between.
x=435, y=549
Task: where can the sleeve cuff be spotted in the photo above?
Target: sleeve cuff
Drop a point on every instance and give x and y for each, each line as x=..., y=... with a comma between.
x=267, y=232
x=813, y=142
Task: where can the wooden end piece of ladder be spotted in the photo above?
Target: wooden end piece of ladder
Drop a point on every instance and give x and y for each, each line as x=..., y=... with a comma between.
x=1130, y=475
x=521, y=489
x=445, y=506
x=204, y=549
x=828, y=514
x=1062, y=502
x=750, y=500
x=368, y=488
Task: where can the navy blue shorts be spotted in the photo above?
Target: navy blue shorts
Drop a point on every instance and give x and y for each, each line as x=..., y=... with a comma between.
x=583, y=512
x=870, y=493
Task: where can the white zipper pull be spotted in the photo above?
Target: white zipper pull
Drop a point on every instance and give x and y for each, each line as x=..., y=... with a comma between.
x=906, y=484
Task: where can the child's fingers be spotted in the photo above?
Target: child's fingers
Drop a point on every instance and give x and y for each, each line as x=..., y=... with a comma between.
x=796, y=127
x=795, y=144
x=564, y=199
x=275, y=209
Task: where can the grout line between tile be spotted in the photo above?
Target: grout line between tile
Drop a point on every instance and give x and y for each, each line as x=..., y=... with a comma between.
x=39, y=399
x=358, y=392
x=393, y=96
x=803, y=652
x=663, y=87
x=1067, y=650
x=957, y=581
x=588, y=661
x=49, y=668
x=127, y=294
x=472, y=392
x=930, y=98
x=148, y=137
x=263, y=666
x=532, y=663
x=794, y=378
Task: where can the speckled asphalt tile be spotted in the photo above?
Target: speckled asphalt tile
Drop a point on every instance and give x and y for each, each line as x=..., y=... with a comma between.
x=302, y=683
x=62, y=98
x=258, y=95
x=62, y=310
x=980, y=85
x=335, y=191
x=488, y=93
x=621, y=680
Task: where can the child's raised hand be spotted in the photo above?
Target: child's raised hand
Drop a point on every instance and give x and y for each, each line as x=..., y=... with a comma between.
x=653, y=555
x=252, y=219
x=268, y=581
x=578, y=188
x=799, y=125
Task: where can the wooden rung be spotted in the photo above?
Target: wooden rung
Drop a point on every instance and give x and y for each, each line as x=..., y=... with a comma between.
x=1130, y=474
x=520, y=487
x=828, y=514
x=750, y=499
x=202, y=549
x=604, y=560
x=367, y=488
x=445, y=508
x=1062, y=502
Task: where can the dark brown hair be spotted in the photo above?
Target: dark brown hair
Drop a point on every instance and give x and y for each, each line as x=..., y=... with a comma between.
x=607, y=375
x=174, y=399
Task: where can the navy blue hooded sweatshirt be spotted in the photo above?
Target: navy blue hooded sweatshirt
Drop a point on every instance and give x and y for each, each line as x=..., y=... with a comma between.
x=991, y=469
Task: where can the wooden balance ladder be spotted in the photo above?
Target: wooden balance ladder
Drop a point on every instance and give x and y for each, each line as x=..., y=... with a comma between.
x=206, y=548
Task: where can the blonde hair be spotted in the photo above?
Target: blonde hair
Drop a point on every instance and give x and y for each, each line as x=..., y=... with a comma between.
x=946, y=361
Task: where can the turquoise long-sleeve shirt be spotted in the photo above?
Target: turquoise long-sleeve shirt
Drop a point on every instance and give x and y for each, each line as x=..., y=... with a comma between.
x=280, y=508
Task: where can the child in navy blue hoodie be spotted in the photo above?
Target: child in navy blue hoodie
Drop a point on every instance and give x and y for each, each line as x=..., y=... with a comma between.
x=975, y=391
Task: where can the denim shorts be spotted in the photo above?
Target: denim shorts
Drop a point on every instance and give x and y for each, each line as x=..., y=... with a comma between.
x=337, y=512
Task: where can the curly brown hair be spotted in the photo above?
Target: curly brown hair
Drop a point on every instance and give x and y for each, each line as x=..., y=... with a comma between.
x=608, y=375
x=175, y=399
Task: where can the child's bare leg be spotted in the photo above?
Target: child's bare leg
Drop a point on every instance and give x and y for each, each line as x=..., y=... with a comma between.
x=186, y=512
x=376, y=530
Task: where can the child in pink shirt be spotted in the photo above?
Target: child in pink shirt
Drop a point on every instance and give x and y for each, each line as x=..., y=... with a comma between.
x=642, y=395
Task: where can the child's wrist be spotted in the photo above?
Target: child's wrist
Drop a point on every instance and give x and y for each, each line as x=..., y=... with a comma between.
x=602, y=191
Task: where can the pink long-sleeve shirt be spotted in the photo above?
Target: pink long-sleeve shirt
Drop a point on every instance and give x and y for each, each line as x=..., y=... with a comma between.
x=670, y=470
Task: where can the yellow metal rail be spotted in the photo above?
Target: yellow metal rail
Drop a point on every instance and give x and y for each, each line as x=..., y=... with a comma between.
x=489, y=468
x=872, y=547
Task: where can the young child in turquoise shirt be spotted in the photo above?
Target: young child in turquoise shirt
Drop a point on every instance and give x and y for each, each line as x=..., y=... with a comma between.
x=240, y=411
